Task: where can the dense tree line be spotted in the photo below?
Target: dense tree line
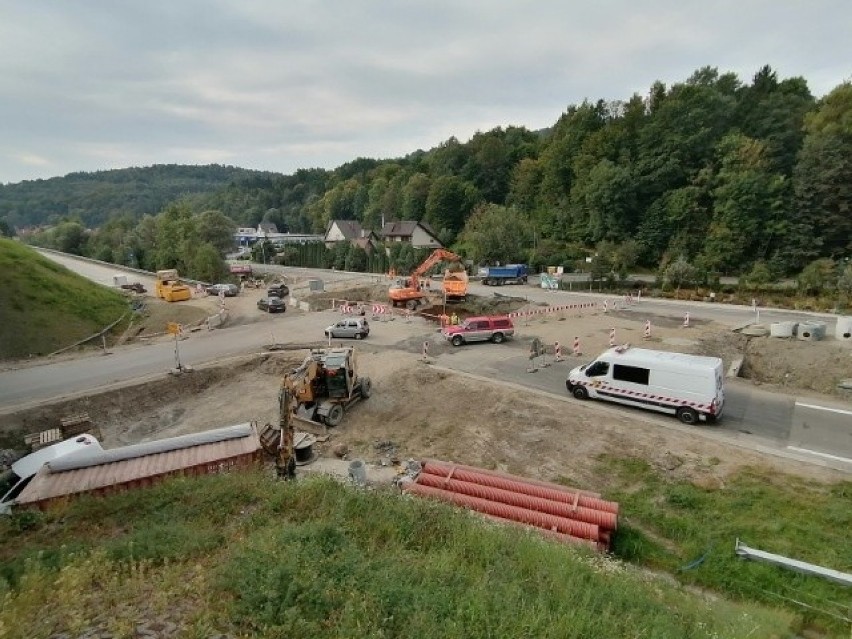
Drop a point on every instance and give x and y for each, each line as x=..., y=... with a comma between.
x=723, y=176
x=94, y=198
x=193, y=243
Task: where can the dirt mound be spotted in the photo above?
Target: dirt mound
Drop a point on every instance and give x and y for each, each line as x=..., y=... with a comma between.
x=789, y=363
x=368, y=295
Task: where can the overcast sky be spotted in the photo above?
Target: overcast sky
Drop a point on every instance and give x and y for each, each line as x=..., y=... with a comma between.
x=283, y=84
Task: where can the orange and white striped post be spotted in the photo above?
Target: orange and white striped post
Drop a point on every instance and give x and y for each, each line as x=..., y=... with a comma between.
x=647, y=334
x=425, y=350
x=576, y=349
x=557, y=349
x=606, y=307
x=686, y=320
x=612, y=337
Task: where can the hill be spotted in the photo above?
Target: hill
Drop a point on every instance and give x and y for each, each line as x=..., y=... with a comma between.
x=242, y=555
x=96, y=197
x=44, y=306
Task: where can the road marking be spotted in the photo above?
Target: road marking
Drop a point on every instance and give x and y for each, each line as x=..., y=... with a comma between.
x=814, y=452
x=831, y=410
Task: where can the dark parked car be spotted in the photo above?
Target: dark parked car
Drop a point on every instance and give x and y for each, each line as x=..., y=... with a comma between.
x=271, y=304
x=278, y=290
x=230, y=290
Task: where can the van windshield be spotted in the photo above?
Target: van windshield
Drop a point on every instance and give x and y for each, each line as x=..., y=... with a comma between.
x=596, y=369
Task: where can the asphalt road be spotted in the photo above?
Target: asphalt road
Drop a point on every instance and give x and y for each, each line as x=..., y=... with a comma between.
x=807, y=429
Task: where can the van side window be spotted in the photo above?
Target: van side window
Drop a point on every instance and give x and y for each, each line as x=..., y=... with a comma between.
x=633, y=374
x=597, y=369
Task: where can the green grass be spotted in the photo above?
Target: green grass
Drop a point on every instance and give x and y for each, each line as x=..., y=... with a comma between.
x=678, y=527
x=247, y=555
x=44, y=306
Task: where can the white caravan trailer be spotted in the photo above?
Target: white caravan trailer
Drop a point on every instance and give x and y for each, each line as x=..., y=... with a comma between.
x=689, y=386
x=25, y=468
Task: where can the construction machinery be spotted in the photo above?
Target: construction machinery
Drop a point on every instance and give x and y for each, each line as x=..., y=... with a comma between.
x=320, y=390
x=170, y=288
x=410, y=293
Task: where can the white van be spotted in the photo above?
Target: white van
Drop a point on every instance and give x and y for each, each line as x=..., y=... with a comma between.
x=689, y=386
x=25, y=468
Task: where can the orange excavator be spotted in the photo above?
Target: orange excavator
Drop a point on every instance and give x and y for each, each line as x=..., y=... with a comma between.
x=410, y=294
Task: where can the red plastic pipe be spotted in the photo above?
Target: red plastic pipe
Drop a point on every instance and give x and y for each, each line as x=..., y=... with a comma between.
x=558, y=508
x=476, y=477
x=557, y=536
x=498, y=473
x=542, y=520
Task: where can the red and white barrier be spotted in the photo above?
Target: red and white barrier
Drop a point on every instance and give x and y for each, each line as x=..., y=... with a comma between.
x=425, y=350
x=557, y=349
x=686, y=321
x=577, y=351
x=550, y=309
x=612, y=337
x=647, y=334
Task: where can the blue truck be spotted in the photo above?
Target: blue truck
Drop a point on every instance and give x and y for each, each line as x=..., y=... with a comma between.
x=509, y=274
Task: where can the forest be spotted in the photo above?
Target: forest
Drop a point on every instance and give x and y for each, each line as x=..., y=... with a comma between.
x=714, y=174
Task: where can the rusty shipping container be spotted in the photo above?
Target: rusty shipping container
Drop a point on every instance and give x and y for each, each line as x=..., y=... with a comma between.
x=140, y=465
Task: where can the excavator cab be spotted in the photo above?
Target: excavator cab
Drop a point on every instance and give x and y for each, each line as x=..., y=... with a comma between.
x=338, y=375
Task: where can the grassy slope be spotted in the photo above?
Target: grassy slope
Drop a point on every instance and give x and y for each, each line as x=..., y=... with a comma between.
x=44, y=306
x=248, y=555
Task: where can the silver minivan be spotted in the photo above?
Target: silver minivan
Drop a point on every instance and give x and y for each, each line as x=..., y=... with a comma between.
x=356, y=327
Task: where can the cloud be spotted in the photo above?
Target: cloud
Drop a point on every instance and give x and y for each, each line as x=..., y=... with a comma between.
x=292, y=84
x=30, y=159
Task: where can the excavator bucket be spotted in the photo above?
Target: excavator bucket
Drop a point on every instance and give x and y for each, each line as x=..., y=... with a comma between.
x=269, y=438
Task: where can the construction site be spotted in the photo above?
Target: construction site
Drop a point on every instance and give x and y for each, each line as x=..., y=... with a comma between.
x=421, y=408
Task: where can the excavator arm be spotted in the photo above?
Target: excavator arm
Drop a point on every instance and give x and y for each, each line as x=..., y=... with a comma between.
x=438, y=255
x=285, y=461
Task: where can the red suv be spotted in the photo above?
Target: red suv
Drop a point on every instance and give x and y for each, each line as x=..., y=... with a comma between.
x=480, y=329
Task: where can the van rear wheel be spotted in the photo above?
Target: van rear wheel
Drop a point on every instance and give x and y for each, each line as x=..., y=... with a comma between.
x=497, y=338
x=457, y=340
x=580, y=392
x=687, y=415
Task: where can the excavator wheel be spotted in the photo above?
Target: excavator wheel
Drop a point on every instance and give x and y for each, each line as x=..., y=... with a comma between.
x=335, y=416
x=366, y=387
x=411, y=305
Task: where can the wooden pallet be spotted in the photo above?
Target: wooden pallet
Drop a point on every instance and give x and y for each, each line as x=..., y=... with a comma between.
x=45, y=438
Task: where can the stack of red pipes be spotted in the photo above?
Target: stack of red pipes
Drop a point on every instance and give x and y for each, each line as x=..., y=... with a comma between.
x=563, y=513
